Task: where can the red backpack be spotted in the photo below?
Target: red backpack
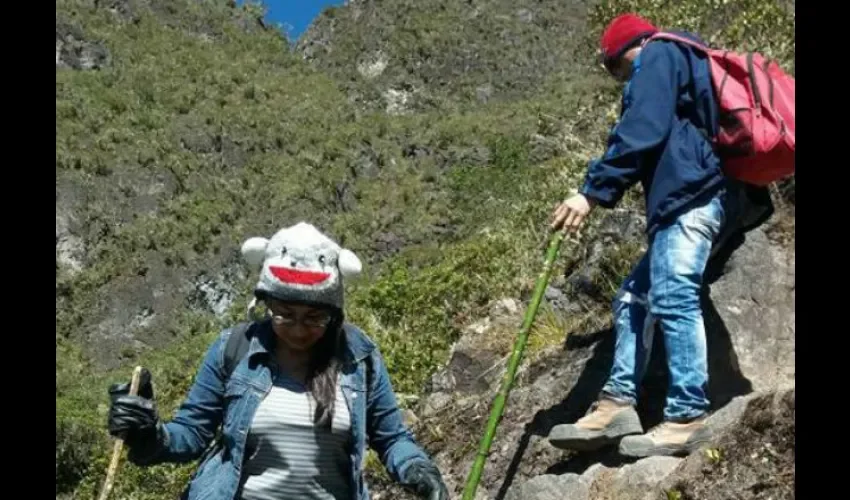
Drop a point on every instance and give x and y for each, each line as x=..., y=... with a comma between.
x=756, y=139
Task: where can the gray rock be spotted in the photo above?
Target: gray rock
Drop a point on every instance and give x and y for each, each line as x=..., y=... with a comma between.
x=213, y=294
x=366, y=164
x=550, y=487
x=525, y=15
x=560, y=302
x=505, y=307
x=435, y=402
x=442, y=381
x=233, y=155
x=621, y=225
x=729, y=414
x=632, y=481
x=387, y=243
x=484, y=92
x=70, y=248
x=193, y=134
x=73, y=50
x=553, y=293
x=592, y=473
x=753, y=304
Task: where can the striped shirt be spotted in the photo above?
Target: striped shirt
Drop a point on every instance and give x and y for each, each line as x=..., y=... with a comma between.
x=291, y=458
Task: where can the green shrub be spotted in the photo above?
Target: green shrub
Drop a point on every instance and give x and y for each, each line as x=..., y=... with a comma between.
x=76, y=443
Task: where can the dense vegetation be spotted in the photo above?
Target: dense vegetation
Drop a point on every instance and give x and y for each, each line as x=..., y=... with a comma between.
x=184, y=127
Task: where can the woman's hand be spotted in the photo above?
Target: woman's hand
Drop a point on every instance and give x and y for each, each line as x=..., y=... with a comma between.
x=135, y=418
x=425, y=479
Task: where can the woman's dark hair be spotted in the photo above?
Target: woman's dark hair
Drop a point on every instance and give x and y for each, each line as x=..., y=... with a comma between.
x=323, y=370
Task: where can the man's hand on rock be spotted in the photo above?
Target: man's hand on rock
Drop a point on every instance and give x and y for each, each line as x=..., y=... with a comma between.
x=572, y=212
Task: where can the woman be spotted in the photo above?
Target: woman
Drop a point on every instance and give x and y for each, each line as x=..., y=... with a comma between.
x=298, y=407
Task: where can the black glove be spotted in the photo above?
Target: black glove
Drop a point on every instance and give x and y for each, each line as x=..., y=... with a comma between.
x=424, y=478
x=135, y=419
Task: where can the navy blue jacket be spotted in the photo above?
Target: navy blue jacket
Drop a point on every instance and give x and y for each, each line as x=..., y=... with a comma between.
x=668, y=107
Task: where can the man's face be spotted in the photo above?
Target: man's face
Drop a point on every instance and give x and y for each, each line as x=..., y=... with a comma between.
x=621, y=68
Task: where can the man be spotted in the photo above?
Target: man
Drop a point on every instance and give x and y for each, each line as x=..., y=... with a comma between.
x=660, y=140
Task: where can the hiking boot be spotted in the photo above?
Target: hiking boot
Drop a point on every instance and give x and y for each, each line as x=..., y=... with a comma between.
x=605, y=423
x=668, y=439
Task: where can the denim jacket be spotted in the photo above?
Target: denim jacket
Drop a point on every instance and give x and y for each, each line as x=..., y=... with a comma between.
x=213, y=400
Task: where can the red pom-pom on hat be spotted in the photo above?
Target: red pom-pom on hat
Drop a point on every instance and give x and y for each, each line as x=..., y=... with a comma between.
x=622, y=33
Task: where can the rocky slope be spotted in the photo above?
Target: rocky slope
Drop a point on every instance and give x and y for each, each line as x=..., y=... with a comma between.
x=405, y=56
x=751, y=339
x=752, y=457
x=171, y=151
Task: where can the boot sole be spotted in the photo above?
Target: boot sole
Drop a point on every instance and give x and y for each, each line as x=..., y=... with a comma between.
x=638, y=450
x=593, y=440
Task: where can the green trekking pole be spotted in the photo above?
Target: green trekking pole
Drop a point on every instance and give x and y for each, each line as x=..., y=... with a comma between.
x=513, y=364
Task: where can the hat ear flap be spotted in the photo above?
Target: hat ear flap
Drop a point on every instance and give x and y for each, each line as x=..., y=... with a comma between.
x=254, y=251
x=348, y=263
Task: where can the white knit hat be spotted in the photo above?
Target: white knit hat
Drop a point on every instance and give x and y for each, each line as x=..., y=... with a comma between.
x=300, y=264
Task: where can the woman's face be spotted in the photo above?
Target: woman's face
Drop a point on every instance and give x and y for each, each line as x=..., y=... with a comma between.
x=298, y=326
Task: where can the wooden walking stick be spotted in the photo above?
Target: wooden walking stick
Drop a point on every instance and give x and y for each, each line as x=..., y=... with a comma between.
x=119, y=443
x=513, y=364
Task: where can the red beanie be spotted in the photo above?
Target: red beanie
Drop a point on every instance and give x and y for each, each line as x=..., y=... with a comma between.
x=622, y=32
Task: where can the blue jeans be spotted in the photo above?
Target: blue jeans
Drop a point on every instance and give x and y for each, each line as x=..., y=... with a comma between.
x=665, y=288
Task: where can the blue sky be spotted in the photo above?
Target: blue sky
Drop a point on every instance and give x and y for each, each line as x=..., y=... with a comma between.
x=295, y=15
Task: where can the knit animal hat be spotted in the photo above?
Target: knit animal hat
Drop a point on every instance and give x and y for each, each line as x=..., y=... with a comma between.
x=622, y=33
x=300, y=264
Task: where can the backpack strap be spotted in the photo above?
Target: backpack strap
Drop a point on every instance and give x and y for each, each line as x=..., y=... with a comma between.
x=663, y=35
x=672, y=37
x=237, y=346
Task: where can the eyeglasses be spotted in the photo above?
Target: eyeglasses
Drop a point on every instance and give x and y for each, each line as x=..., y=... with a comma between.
x=308, y=321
